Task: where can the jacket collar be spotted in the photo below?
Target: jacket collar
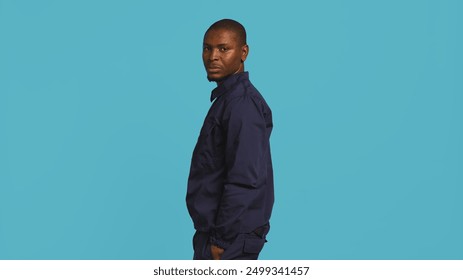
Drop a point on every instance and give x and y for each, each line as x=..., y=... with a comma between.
x=228, y=84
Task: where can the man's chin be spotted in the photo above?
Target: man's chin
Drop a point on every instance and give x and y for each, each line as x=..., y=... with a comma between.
x=213, y=78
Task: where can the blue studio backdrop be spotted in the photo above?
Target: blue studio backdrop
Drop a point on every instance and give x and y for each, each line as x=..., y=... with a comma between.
x=101, y=103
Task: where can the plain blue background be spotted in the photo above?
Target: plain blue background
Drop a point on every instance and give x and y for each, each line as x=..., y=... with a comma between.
x=101, y=103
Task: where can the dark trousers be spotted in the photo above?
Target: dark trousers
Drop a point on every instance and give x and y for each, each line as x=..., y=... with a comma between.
x=246, y=246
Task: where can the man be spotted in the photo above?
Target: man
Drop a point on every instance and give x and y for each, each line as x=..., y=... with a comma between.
x=230, y=186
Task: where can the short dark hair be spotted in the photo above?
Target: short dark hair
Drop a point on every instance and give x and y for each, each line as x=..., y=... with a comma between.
x=232, y=25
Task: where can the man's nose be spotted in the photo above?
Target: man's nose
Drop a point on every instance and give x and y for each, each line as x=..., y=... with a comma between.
x=214, y=54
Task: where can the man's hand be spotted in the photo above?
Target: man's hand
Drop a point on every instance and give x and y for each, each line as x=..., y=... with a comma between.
x=216, y=252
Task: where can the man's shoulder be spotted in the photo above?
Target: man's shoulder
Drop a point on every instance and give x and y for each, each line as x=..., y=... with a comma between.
x=245, y=100
x=244, y=90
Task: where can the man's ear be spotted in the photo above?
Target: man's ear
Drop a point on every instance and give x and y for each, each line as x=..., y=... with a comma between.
x=244, y=52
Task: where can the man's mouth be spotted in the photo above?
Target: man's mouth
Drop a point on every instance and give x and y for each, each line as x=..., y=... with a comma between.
x=213, y=68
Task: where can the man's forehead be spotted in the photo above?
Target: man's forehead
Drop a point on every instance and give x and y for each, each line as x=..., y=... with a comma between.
x=221, y=34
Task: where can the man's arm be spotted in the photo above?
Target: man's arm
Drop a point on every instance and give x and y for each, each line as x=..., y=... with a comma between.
x=246, y=142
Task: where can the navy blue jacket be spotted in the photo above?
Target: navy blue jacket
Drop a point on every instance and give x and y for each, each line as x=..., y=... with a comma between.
x=230, y=186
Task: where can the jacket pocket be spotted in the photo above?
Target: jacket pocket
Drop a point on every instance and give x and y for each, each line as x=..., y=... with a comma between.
x=210, y=143
x=253, y=245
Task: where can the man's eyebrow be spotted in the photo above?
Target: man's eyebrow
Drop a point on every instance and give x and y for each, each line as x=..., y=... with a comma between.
x=219, y=45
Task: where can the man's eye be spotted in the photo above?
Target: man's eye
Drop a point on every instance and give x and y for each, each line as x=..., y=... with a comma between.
x=205, y=48
x=223, y=49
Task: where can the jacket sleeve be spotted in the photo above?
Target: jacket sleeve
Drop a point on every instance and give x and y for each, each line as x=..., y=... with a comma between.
x=245, y=134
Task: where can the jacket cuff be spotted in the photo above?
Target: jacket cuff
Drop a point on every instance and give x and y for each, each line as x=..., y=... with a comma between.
x=219, y=242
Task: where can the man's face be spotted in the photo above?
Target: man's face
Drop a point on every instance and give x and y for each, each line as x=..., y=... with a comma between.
x=223, y=55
